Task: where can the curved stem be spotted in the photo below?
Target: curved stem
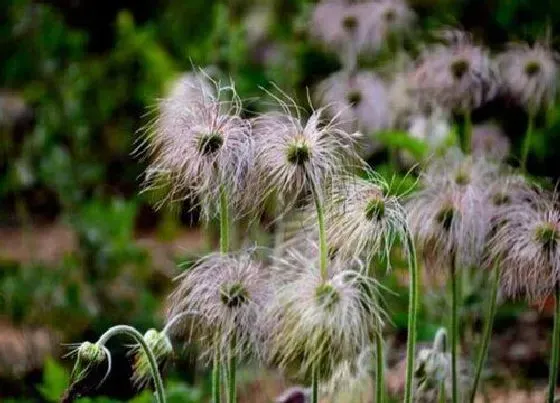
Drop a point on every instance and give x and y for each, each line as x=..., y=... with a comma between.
x=380, y=366
x=314, y=386
x=216, y=377
x=135, y=334
x=323, y=250
x=454, y=331
x=412, y=312
x=553, y=368
x=467, y=133
x=527, y=142
x=224, y=222
x=232, y=385
x=487, y=334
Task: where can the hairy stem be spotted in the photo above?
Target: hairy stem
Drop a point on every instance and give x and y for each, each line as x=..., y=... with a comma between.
x=527, y=141
x=135, y=334
x=487, y=334
x=554, y=358
x=314, y=385
x=224, y=222
x=467, y=132
x=216, y=377
x=232, y=363
x=454, y=331
x=412, y=311
x=380, y=366
x=323, y=249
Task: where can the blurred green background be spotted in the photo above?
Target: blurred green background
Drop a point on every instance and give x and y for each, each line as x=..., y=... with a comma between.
x=80, y=248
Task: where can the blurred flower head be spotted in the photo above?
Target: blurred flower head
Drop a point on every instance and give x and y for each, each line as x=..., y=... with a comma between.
x=224, y=295
x=198, y=145
x=315, y=323
x=526, y=245
x=488, y=140
x=359, y=99
x=459, y=76
x=530, y=75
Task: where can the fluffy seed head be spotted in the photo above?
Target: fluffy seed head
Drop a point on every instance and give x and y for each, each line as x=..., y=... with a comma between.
x=459, y=77
x=526, y=245
x=321, y=323
x=359, y=28
x=362, y=218
x=530, y=75
x=449, y=216
x=198, y=145
x=161, y=347
x=224, y=295
x=489, y=141
x=360, y=100
x=292, y=156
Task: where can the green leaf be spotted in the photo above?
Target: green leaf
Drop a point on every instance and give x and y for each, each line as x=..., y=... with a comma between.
x=55, y=381
x=402, y=141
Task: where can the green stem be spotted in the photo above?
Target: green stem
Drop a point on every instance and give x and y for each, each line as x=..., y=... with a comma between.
x=314, y=385
x=232, y=363
x=379, y=373
x=224, y=222
x=442, y=397
x=216, y=377
x=135, y=334
x=487, y=334
x=454, y=331
x=412, y=311
x=467, y=133
x=553, y=368
x=323, y=250
x=527, y=142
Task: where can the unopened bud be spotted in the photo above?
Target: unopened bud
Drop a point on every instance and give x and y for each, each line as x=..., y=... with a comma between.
x=162, y=349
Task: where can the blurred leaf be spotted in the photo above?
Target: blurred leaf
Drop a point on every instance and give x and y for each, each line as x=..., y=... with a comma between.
x=55, y=381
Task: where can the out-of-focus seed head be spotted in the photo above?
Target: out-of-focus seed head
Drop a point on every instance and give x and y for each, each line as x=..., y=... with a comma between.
x=525, y=244
x=359, y=101
x=458, y=77
x=530, y=75
x=312, y=322
x=293, y=156
x=489, y=141
x=450, y=216
x=161, y=347
x=224, y=296
x=363, y=219
x=198, y=146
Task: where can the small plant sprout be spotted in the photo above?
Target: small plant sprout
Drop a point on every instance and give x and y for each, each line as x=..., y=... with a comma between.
x=312, y=323
x=226, y=293
x=530, y=77
x=162, y=348
x=433, y=370
x=90, y=355
x=199, y=147
x=360, y=100
x=458, y=77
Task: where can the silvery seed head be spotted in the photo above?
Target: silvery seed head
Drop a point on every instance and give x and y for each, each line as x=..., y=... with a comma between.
x=363, y=219
x=449, y=215
x=161, y=347
x=530, y=75
x=526, y=245
x=348, y=29
x=488, y=140
x=224, y=295
x=199, y=145
x=292, y=156
x=360, y=101
x=458, y=77
x=312, y=322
